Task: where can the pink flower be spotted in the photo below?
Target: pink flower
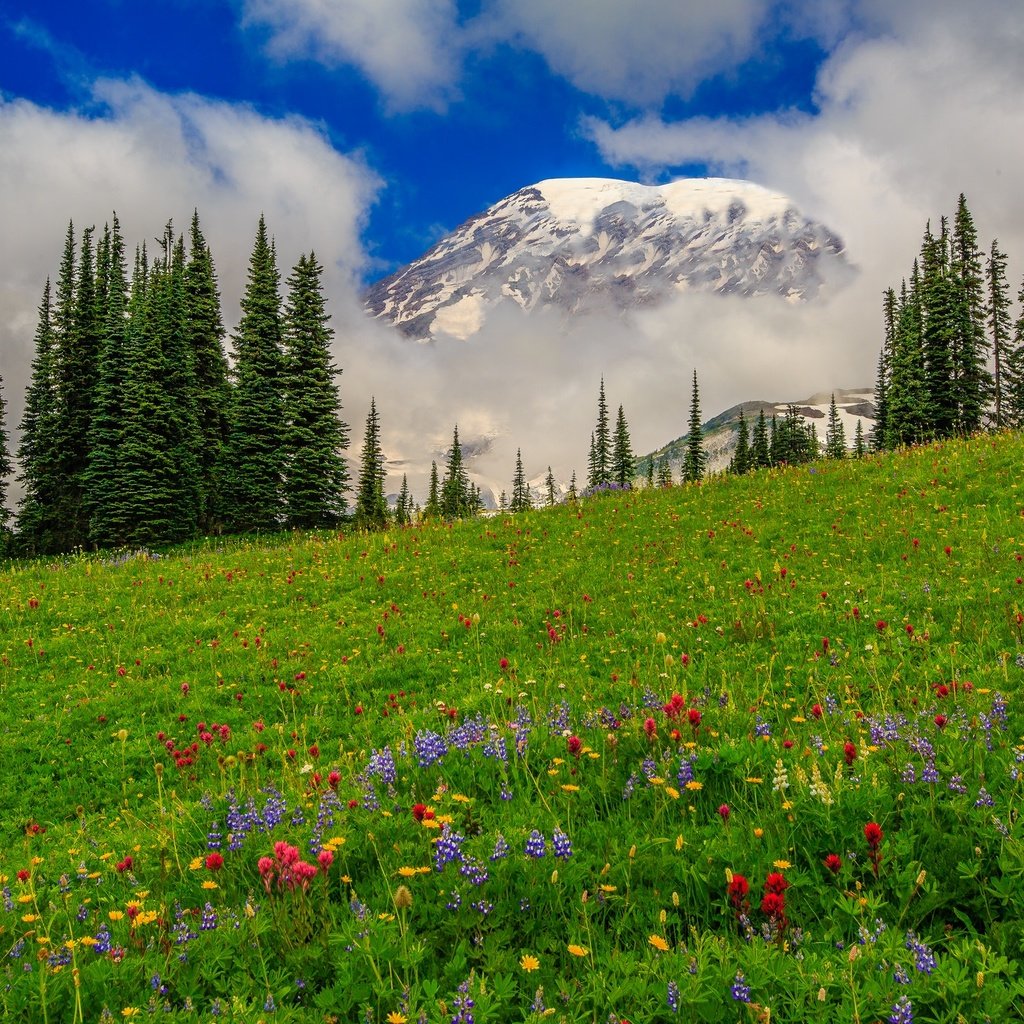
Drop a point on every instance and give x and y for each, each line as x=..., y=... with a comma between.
x=325, y=859
x=214, y=862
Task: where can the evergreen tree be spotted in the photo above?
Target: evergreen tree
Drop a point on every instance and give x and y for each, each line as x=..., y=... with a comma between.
x=760, y=451
x=908, y=419
x=371, y=511
x=741, y=459
x=835, y=433
x=880, y=427
x=649, y=472
x=622, y=453
x=5, y=472
x=549, y=485
x=970, y=348
x=859, y=444
x=940, y=313
x=315, y=475
x=521, y=497
x=455, y=502
x=432, y=509
x=664, y=472
x=37, y=524
x=600, y=445
x=998, y=312
x=503, y=502
x=774, y=443
x=212, y=398
x=105, y=484
x=253, y=496
x=1013, y=386
x=403, y=510
x=572, y=494
x=694, y=458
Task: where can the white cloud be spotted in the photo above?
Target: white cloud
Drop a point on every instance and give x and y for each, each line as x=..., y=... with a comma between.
x=906, y=121
x=408, y=48
x=152, y=156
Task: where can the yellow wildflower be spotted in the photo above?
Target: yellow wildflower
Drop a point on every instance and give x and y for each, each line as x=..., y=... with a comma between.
x=570, y=788
x=407, y=872
x=782, y=865
x=693, y=785
x=394, y=1017
x=577, y=950
x=658, y=943
x=115, y=915
x=529, y=963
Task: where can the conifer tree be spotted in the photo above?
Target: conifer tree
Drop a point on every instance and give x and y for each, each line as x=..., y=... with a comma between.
x=740, y=462
x=938, y=293
x=212, y=397
x=649, y=471
x=835, y=433
x=600, y=445
x=432, y=509
x=774, y=442
x=859, y=444
x=5, y=472
x=760, y=450
x=549, y=486
x=403, y=510
x=880, y=428
x=503, y=502
x=622, y=452
x=253, y=496
x=970, y=348
x=455, y=502
x=315, y=475
x=664, y=472
x=37, y=525
x=521, y=497
x=371, y=512
x=998, y=312
x=105, y=485
x=572, y=494
x=694, y=458
x=1013, y=385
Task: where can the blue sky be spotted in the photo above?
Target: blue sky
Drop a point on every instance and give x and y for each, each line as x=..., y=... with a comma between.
x=508, y=118
x=366, y=128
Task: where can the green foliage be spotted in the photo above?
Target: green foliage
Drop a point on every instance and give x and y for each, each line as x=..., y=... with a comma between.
x=521, y=497
x=835, y=434
x=315, y=475
x=622, y=469
x=454, y=499
x=694, y=458
x=599, y=460
x=371, y=512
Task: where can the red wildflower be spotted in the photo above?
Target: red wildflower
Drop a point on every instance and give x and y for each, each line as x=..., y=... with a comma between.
x=419, y=811
x=881, y=625
x=694, y=717
x=650, y=728
x=503, y=664
x=833, y=862
x=214, y=862
x=816, y=710
x=574, y=745
x=909, y=629
x=723, y=812
x=325, y=858
x=773, y=904
x=23, y=875
x=940, y=721
x=873, y=834
x=333, y=778
x=776, y=883
x=849, y=752
x=737, y=890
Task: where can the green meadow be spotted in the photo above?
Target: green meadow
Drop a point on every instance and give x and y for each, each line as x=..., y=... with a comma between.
x=743, y=751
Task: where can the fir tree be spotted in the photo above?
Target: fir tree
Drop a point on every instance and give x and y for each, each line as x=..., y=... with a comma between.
x=1013, y=385
x=760, y=451
x=253, y=496
x=37, y=524
x=880, y=427
x=503, y=502
x=998, y=312
x=600, y=445
x=212, y=397
x=694, y=458
x=5, y=472
x=572, y=494
x=403, y=510
x=521, y=498
x=664, y=472
x=740, y=462
x=774, y=442
x=907, y=419
x=835, y=433
x=622, y=453
x=859, y=444
x=432, y=509
x=940, y=313
x=315, y=474
x=454, y=500
x=105, y=484
x=970, y=347
x=549, y=486
x=649, y=471
x=371, y=512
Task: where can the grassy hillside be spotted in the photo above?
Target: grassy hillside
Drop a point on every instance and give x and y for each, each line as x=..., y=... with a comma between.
x=706, y=753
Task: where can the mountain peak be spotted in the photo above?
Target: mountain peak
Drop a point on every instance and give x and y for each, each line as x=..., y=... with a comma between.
x=593, y=244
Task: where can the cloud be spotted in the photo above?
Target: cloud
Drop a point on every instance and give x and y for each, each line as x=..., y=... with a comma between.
x=152, y=156
x=907, y=119
x=408, y=48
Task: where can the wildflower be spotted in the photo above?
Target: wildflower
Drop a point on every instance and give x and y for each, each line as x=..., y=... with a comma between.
x=738, y=889
x=693, y=716
x=723, y=812
x=578, y=950
x=782, y=865
x=529, y=963
x=776, y=883
x=394, y=1017
x=902, y=1009
x=849, y=752
x=403, y=897
x=873, y=834
x=773, y=904
x=214, y=862
x=672, y=997
x=574, y=745
x=740, y=990
x=561, y=844
x=658, y=943
x=535, y=845
x=833, y=862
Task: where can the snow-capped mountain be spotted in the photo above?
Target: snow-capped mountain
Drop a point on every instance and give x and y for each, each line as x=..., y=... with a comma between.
x=583, y=244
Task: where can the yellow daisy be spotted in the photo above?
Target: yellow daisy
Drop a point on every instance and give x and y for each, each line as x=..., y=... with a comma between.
x=782, y=865
x=658, y=943
x=394, y=1017
x=529, y=963
x=407, y=872
x=578, y=950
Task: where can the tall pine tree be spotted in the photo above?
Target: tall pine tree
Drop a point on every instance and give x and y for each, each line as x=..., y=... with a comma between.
x=5, y=472
x=521, y=497
x=740, y=462
x=622, y=452
x=970, y=348
x=998, y=312
x=835, y=433
x=371, y=512
x=253, y=492
x=454, y=499
x=432, y=509
x=694, y=457
x=760, y=449
x=315, y=475
x=600, y=445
